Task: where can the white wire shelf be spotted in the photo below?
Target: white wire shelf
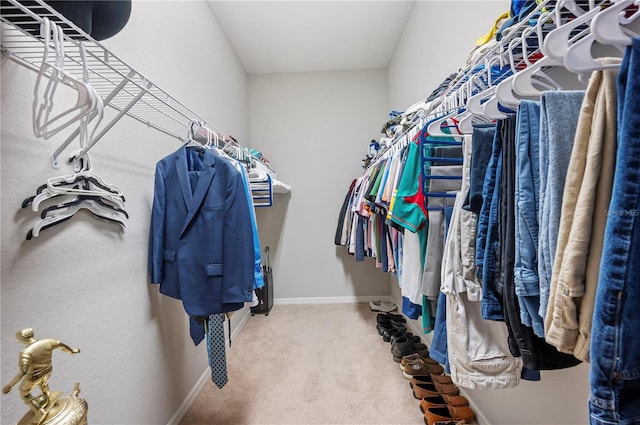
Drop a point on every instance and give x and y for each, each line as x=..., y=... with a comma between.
x=119, y=85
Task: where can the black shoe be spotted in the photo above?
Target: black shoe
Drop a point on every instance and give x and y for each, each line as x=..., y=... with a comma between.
x=388, y=323
x=385, y=317
x=406, y=334
x=386, y=327
x=405, y=347
x=388, y=334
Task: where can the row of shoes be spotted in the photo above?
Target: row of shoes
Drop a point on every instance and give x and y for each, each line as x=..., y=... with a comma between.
x=440, y=399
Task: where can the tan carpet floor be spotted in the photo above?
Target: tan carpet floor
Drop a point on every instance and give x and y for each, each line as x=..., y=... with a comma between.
x=309, y=364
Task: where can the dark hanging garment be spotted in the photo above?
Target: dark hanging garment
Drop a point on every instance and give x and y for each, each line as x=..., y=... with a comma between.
x=343, y=213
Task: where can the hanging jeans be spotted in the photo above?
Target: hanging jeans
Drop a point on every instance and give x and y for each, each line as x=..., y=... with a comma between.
x=527, y=187
x=488, y=235
x=536, y=353
x=559, y=111
x=483, y=135
x=615, y=346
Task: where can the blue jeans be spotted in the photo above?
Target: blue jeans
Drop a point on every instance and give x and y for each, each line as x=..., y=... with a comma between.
x=527, y=186
x=487, y=239
x=481, y=148
x=615, y=346
x=559, y=111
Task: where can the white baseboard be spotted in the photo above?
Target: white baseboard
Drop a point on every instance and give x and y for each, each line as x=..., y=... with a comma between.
x=186, y=404
x=330, y=300
x=481, y=419
x=206, y=374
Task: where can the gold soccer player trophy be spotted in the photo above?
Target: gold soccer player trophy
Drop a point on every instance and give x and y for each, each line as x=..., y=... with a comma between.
x=35, y=369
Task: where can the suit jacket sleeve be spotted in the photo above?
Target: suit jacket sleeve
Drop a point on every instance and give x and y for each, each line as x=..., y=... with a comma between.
x=238, y=244
x=156, y=232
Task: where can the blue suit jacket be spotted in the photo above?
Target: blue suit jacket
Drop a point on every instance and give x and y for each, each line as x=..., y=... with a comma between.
x=201, y=239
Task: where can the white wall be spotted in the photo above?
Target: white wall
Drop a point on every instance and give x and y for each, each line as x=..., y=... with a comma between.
x=84, y=282
x=316, y=128
x=435, y=43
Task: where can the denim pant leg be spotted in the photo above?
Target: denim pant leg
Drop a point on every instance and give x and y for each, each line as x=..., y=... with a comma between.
x=527, y=185
x=615, y=346
x=481, y=149
x=487, y=245
x=559, y=111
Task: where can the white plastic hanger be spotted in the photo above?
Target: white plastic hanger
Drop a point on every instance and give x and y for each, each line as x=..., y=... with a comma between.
x=579, y=58
x=607, y=26
x=556, y=43
x=64, y=185
x=522, y=83
x=94, y=116
x=69, y=213
x=43, y=124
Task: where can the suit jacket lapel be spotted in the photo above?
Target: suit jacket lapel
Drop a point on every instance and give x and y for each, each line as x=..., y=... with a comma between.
x=183, y=176
x=204, y=181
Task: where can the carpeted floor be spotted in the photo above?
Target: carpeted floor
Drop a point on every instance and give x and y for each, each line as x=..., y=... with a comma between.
x=309, y=364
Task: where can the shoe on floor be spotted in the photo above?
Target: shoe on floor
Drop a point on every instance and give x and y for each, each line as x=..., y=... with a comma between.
x=440, y=399
x=448, y=413
x=412, y=358
x=388, y=327
x=405, y=346
x=406, y=334
x=421, y=379
x=420, y=367
x=385, y=306
x=432, y=389
x=461, y=422
x=390, y=317
x=389, y=334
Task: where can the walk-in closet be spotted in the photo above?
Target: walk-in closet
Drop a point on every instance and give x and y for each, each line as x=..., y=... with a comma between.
x=319, y=212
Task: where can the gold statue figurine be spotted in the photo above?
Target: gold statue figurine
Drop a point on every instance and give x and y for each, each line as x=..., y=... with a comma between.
x=35, y=370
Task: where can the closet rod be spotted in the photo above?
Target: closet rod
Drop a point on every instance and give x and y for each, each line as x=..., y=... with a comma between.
x=128, y=91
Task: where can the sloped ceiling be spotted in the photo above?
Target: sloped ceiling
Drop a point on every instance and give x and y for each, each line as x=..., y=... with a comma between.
x=300, y=36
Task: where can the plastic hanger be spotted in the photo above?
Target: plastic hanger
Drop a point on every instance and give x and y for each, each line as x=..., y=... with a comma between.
x=522, y=82
x=580, y=60
x=194, y=138
x=83, y=182
x=96, y=202
x=434, y=129
x=48, y=222
x=43, y=124
x=556, y=43
x=607, y=26
x=94, y=116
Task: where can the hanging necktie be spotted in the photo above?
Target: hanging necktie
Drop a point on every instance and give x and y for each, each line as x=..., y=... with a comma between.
x=196, y=329
x=216, y=349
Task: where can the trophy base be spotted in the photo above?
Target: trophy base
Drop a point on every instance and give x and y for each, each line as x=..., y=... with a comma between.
x=68, y=410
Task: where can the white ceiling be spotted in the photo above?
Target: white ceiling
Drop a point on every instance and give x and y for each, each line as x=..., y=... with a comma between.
x=299, y=36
